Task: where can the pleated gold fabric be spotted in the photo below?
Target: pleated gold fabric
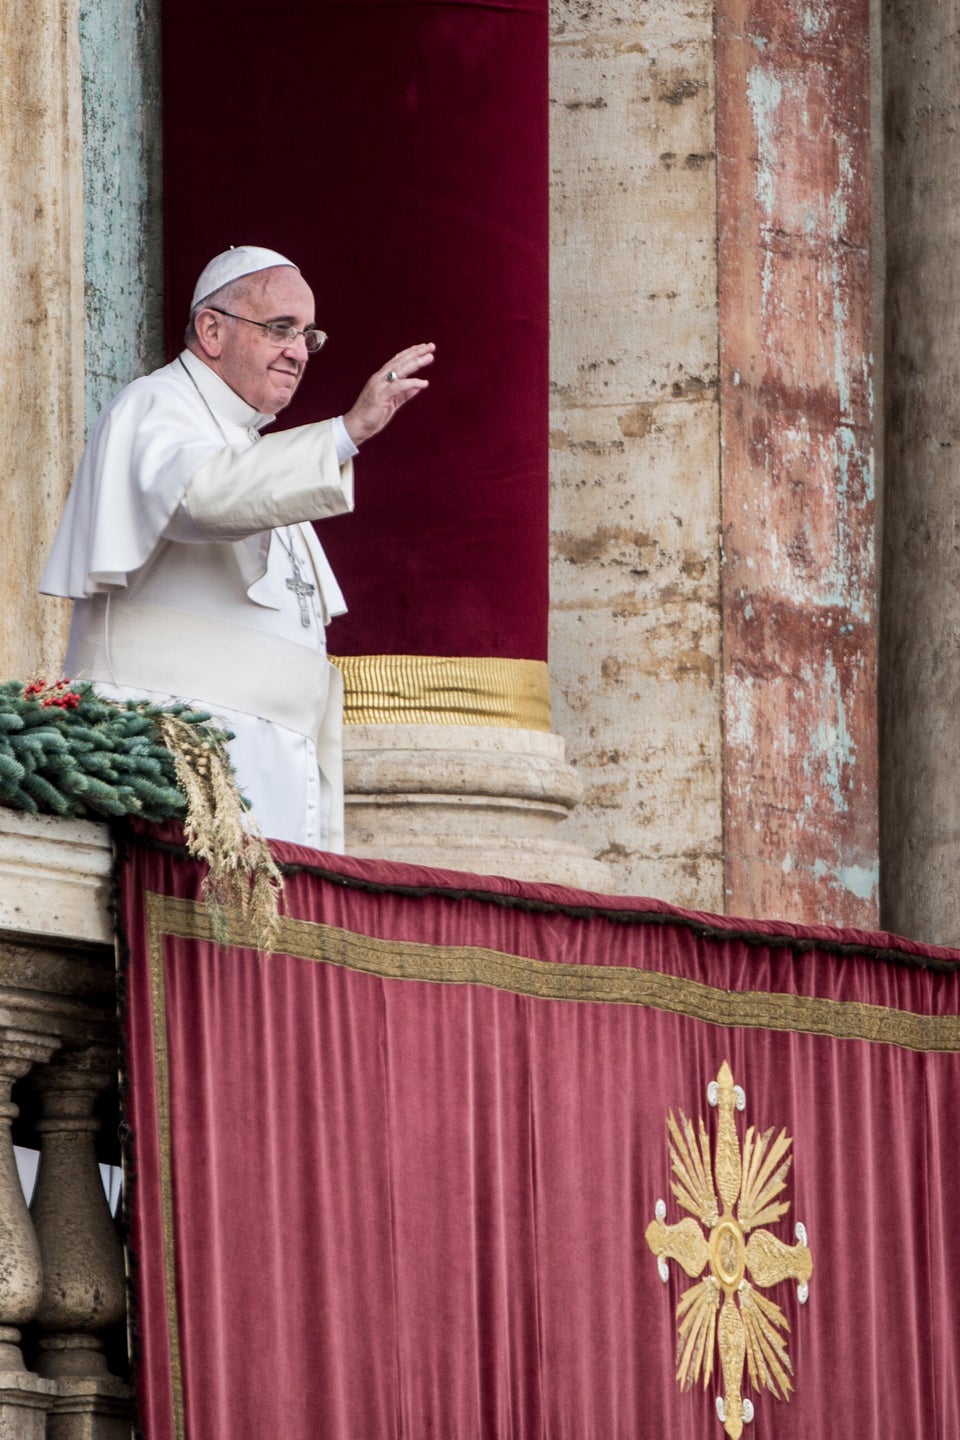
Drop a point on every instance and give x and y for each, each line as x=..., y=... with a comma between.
x=445, y=690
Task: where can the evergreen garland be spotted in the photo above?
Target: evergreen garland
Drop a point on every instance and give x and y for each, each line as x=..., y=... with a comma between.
x=66, y=751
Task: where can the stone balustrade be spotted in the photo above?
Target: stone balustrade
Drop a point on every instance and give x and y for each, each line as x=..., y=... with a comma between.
x=62, y=1286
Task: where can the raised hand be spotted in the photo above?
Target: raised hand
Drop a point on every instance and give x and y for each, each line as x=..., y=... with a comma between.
x=386, y=391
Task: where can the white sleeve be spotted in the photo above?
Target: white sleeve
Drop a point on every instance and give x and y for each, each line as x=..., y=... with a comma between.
x=345, y=446
x=283, y=480
x=181, y=526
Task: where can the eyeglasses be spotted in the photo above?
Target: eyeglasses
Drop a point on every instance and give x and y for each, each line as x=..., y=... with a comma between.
x=279, y=334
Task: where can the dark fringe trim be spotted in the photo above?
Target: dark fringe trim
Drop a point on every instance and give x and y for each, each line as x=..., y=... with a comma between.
x=890, y=955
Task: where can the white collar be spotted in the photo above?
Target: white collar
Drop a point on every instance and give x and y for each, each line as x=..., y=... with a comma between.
x=221, y=399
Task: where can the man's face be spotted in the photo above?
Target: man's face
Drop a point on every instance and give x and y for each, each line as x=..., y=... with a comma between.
x=264, y=374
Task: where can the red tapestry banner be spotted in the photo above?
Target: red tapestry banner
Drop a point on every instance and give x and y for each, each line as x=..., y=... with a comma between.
x=466, y=1159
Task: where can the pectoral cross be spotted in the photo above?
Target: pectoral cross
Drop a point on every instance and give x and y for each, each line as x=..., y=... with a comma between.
x=301, y=588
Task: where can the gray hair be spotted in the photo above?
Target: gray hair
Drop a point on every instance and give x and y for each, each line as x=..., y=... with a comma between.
x=229, y=296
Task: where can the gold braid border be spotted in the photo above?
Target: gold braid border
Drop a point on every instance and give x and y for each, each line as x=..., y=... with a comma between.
x=515, y=974
x=156, y=929
x=549, y=980
x=444, y=690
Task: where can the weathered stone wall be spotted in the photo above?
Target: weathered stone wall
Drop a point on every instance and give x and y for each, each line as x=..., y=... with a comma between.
x=723, y=720
x=635, y=639
x=79, y=88
x=920, y=661
x=41, y=314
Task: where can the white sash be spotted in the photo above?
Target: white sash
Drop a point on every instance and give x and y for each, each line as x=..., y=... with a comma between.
x=154, y=647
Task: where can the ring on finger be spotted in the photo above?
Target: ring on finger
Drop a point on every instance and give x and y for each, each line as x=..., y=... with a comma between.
x=391, y=375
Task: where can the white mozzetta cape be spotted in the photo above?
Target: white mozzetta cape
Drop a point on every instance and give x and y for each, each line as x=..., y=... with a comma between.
x=210, y=616
x=144, y=451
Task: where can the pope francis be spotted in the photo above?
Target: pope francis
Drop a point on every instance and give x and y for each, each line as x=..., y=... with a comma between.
x=187, y=548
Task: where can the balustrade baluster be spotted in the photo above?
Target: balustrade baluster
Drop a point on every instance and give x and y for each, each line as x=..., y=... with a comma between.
x=24, y=1397
x=82, y=1259
x=57, y=996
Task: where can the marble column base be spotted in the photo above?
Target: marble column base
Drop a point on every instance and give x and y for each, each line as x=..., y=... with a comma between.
x=24, y=1402
x=91, y=1410
x=463, y=797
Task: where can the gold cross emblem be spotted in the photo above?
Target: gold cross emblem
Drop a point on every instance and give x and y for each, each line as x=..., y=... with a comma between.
x=725, y=1310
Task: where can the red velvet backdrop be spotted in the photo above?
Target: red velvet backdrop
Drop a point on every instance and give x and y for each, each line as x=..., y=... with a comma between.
x=397, y=1182
x=398, y=153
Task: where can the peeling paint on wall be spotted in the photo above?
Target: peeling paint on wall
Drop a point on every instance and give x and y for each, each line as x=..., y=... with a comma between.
x=799, y=608
x=123, y=258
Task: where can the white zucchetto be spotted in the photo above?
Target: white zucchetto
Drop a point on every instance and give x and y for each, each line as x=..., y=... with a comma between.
x=233, y=264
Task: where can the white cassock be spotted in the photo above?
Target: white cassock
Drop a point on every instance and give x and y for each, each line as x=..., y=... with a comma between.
x=187, y=549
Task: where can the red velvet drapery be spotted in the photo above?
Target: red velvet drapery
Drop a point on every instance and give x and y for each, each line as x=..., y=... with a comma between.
x=396, y=1180
x=397, y=151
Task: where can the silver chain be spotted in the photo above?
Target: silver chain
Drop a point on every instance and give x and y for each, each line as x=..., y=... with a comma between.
x=205, y=402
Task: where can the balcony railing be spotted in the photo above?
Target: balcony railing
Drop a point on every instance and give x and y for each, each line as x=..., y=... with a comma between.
x=62, y=1287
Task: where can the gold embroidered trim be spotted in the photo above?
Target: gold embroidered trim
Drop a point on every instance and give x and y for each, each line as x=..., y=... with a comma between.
x=444, y=690
x=155, y=908
x=606, y=984
x=750, y=1329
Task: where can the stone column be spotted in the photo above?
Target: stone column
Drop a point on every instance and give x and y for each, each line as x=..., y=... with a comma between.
x=466, y=798
x=123, y=195
x=635, y=635
x=24, y=1397
x=20, y=1272
x=83, y=1273
x=82, y=1260
x=797, y=486
x=41, y=314
x=920, y=629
